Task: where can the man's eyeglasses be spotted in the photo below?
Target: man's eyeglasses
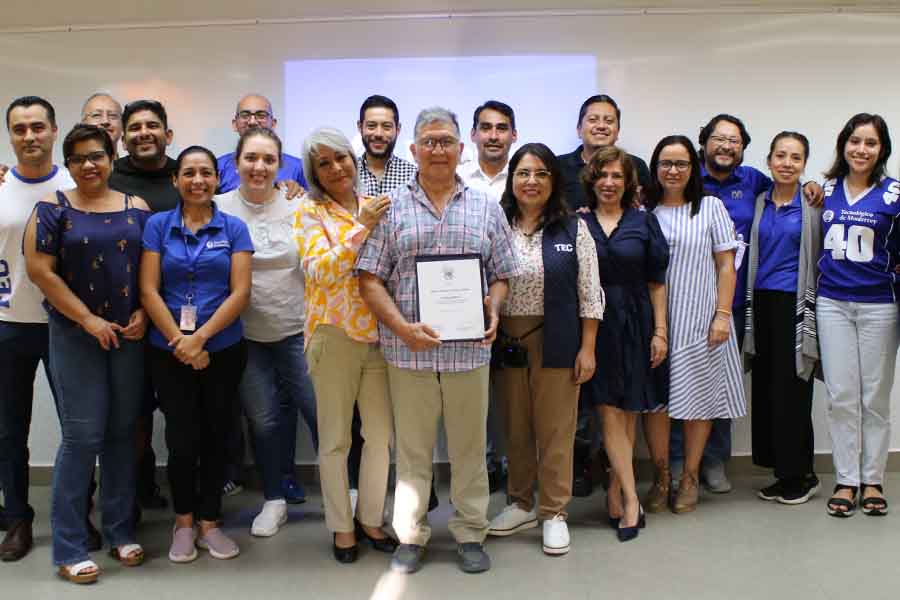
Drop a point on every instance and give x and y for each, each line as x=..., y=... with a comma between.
x=432, y=144
x=721, y=140
x=107, y=115
x=260, y=115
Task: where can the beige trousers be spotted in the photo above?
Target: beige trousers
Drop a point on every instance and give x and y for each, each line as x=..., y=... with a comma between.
x=420, y=399
x=541, y=415
x=345, y=372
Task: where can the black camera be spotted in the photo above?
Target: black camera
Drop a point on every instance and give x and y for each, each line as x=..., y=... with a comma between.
x=509, y=353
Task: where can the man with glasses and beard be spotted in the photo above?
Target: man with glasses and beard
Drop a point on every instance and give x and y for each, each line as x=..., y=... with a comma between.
x=380, y=171
x=254, y=110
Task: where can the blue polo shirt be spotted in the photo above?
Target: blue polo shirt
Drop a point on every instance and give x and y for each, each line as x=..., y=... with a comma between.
x=199, y=265
x=738, y=193
x=291, y=170
x=779, y=245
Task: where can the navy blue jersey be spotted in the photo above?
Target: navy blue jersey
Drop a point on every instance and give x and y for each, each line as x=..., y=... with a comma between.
x=860, y=240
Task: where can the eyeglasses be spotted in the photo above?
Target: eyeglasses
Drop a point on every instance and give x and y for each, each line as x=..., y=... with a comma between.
x=680, y=165
x=541, y=175
x=260, y=115
x=108, y=115
x=78, y=160
x=432, y=144
x=721, y=140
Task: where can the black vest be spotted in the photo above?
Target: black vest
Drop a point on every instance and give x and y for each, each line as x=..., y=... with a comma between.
x=562, y=324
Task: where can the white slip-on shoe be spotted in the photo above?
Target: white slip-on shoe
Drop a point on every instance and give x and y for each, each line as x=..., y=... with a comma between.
x=272, y=516
x=556, y=536
x=512, y=519
x=715, y=479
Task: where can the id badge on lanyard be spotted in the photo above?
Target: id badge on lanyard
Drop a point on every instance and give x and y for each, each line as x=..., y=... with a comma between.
x=188, y=317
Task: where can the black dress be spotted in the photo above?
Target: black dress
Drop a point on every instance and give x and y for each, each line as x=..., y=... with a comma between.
x=636, y=253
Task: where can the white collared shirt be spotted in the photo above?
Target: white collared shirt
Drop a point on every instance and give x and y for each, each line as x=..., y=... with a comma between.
x=474, y=177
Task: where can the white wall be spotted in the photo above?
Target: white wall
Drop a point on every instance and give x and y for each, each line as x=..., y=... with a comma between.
x=669, y=72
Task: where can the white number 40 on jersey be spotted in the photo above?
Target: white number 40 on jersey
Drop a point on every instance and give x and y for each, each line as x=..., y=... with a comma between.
x=857, y=247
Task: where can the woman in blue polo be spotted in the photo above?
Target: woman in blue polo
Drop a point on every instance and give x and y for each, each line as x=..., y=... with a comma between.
x=856, y=309
x=785, y=240
x=195, y=282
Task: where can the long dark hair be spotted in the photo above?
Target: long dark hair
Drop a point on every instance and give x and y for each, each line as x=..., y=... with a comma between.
x=840, y=167
x=693, y=193
x=556, y=210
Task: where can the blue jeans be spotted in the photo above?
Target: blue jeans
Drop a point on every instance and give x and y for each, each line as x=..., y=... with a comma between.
x=718, y=446
x=22, y=346
x=276, y=375
x=99, y=395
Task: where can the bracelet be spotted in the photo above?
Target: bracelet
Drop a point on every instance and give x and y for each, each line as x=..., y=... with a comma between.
x=722, y=317
x=662, y=337
x=723, y=311
x=663, y=329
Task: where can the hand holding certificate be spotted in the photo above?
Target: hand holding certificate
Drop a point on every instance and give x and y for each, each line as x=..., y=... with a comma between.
x=451, y=296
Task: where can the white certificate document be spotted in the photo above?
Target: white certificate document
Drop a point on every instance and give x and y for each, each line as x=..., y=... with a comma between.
x=451, y=295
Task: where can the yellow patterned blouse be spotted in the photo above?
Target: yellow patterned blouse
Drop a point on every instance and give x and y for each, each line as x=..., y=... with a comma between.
x=328, y=239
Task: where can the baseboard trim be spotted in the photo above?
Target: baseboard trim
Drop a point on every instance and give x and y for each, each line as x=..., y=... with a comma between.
x=309, y=473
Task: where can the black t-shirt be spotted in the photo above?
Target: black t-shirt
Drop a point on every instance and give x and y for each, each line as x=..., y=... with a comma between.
x=156, y=187
x=571, y=165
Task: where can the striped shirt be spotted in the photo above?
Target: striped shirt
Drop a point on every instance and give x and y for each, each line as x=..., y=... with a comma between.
x=397, y=172
x=470, y=223
x=705, y=382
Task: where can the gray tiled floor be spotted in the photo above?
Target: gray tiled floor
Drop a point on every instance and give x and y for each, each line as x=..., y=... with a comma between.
x=735, y=546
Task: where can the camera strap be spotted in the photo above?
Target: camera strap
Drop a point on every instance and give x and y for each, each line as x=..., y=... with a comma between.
x=518, y=340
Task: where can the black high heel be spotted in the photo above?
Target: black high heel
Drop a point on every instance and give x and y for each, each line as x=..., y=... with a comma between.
x=629, y=533
x=387, y=544
x=344, y=555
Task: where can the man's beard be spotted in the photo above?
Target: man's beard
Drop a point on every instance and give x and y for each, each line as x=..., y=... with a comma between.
x=388, y=150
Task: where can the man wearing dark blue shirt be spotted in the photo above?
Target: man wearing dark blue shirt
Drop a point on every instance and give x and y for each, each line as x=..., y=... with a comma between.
x=598, y=126
x=252, y=111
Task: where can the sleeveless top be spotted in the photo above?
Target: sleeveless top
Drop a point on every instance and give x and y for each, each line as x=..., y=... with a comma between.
x=98, y=254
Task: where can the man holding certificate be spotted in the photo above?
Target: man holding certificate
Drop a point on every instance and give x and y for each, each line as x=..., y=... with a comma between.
x=434, y=272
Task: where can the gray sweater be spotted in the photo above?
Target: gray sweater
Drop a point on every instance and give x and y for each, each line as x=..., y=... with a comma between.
x=807, y=346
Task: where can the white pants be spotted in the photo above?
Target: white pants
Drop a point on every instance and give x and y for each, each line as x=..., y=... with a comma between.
x=858, y=342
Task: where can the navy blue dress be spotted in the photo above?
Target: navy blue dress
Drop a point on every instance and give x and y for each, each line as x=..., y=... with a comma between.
x=98, y=255
x=636, y=253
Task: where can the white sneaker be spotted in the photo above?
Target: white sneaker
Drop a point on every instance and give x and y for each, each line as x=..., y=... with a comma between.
x=272, y=516
x=512, y=520
x=556, y=536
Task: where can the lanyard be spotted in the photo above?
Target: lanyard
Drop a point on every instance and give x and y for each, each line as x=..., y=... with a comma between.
x=192, y=257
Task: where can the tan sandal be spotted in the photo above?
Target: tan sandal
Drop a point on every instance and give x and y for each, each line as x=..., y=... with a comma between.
x=76, y=573
x=130, y=555
x=688, y=495
x=658, y=497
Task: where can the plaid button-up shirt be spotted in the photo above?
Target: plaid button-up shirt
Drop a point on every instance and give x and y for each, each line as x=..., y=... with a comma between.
x=397, y=172
x=471, y=223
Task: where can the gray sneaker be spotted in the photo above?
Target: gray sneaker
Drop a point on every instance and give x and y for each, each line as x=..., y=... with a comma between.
x=715, y=479
x=473, y=558
x=407, y=558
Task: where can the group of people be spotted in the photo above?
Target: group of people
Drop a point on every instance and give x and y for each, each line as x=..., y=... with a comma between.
x=263, y=284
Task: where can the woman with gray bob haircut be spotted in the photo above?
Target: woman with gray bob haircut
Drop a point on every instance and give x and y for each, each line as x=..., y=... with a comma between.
x=342, y=352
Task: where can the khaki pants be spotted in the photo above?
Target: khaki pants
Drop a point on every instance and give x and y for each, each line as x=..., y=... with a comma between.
x=347, y=372
x=541, y=415
x=420, y=399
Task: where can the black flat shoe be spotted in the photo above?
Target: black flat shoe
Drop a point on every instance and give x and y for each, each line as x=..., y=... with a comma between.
x=345, y=555
x=629, y=533
x=386, y=544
